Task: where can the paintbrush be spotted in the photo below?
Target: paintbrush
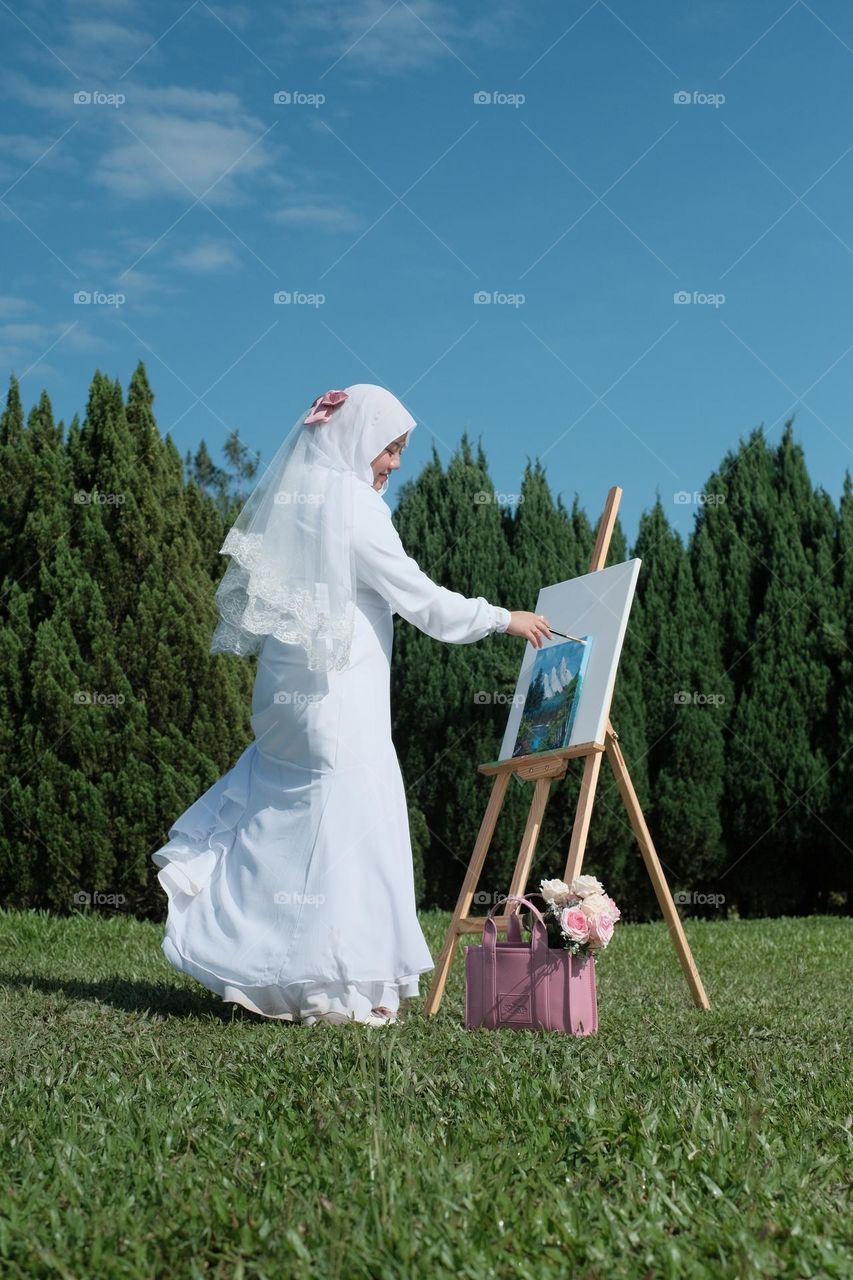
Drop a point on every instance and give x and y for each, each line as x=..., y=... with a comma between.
x=554, y=632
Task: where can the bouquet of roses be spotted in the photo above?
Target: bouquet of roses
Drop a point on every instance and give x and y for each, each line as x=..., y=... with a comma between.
x=579, y=917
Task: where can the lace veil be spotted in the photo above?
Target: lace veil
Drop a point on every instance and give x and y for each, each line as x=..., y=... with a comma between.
x=292, y=567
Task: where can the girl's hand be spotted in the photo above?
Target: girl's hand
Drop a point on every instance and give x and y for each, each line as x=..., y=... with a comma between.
x=532, y=626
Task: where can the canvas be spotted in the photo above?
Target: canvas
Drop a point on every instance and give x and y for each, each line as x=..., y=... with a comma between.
x=564, y=690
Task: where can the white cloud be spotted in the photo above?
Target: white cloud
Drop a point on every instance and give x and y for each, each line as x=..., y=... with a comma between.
x=370, y=37
x=11, y=306
x=89, y=33
x=207, y=256
x=182, y=98
x=92, y=42
x=81, y=338
x=106, y=270
x=174, y=148
x=322, y=217
x=18, y=151
x=25, y=333
x=141, y=285
x=108, y=6
x=154, y=97
x=95, y=260
x=237, y=16
x=22, y=344
x=101, y=41
x=198, y=134
x=391, y=39
x=42, y=370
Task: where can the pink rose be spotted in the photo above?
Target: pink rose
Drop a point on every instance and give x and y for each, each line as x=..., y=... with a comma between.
x=612, y=909
x=574, y=924
x=601, y=929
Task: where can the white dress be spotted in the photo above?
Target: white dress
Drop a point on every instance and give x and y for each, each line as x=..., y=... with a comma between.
x=290, y=882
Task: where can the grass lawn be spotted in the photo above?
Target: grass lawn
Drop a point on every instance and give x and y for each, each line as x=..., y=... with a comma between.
x=149, y=1130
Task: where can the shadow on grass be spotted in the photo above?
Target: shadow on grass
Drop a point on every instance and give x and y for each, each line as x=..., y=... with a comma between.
x=140, y=997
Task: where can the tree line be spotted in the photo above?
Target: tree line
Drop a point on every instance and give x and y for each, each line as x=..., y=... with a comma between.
x=733, y=701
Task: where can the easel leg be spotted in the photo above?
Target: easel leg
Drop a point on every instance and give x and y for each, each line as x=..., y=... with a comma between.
x=531, y=836
x=463, y=905
x=650, y=858
x=583, y=813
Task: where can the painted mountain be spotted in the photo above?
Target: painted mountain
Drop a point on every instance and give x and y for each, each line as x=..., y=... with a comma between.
x=552, y=697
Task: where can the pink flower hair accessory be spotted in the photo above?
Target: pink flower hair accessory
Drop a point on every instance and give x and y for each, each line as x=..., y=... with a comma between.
x=324, y=406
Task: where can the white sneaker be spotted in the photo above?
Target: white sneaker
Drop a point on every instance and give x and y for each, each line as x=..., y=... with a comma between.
x=370, y=1020
x=380, y=1019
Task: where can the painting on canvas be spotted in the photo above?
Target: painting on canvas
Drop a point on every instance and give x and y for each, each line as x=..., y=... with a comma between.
x=552, y=697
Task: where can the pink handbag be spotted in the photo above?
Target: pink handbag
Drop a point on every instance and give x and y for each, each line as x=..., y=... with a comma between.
x=528, y=987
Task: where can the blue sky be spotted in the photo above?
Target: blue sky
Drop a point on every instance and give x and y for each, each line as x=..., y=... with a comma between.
x=384, y=197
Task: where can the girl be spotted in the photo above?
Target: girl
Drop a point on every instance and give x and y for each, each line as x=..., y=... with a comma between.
x=290, y=882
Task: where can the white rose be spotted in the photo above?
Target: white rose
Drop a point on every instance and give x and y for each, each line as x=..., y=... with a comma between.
x=583, y=886
x=595, y=904
x=555, y=890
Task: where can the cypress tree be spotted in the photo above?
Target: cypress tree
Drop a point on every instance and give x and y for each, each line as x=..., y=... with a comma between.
x=111, y=739
x=778, y=781
x=837, y=838
x=685, y=731
x=16, y=470
x=17, y=829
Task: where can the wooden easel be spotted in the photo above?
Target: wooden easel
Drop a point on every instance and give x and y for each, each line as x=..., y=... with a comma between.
x=543, y=768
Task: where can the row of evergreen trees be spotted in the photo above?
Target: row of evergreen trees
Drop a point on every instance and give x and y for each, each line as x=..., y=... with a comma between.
x=733, y=702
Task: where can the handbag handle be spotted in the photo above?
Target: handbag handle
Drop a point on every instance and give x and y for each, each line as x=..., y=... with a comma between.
x=539, y=941
x=513, y=925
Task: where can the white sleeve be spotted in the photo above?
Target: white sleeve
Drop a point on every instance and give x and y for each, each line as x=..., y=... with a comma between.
x=382, y=564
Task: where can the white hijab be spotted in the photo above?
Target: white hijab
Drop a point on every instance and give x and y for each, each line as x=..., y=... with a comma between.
x=292, y=569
